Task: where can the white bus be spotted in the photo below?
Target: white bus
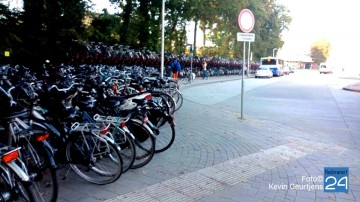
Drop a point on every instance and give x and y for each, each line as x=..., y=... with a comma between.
x=275, y=64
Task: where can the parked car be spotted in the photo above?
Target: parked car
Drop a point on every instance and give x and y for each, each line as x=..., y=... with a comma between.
x=276, y=71
x=263, y=72
x=325, y=68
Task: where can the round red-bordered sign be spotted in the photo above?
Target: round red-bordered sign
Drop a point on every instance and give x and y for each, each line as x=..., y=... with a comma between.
x=246, y=20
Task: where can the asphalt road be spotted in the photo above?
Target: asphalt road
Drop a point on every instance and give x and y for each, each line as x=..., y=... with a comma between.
x=305, y=98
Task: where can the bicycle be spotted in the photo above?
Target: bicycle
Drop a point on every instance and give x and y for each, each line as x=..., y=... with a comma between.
x=85, y=147
x=35, y=152
x=15, y=183
x=188, y=78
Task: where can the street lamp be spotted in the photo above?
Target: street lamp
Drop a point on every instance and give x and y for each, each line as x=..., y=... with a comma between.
x=274, y=49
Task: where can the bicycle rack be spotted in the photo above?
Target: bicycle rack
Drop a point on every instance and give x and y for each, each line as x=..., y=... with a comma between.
x=117, y=122
x=95, y=128
x=110, y=119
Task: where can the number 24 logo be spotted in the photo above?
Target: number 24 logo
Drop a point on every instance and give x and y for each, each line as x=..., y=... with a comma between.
x=339, y=183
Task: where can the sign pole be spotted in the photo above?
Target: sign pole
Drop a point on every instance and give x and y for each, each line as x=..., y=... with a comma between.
x=248, y=61
x=246, y=22
x=242, y=84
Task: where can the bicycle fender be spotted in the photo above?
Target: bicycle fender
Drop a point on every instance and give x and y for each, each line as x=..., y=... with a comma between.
x=18, y=171
x=49, y=152
x=145, y=126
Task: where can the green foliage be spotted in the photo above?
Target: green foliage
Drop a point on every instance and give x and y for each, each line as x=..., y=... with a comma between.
x=9, y=35
x=103, y=27
x=44, y=29
x=320, y=50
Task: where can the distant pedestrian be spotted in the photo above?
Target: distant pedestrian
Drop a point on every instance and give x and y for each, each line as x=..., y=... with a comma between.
x=204, y=70
x=175, y=68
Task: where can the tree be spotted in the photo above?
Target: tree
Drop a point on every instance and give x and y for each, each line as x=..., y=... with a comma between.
x=320, y=50
x=103, y=27
x=47, y=29
x=220, y=19
x=175, y=27
x=9, y=33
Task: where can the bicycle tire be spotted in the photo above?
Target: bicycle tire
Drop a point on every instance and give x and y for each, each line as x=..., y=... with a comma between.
x=22, y=190
x=165, y=100
x=127, y=147
x=170, y=101
x=178, y=98
x=38, y=162
x=165, y=138
x=44, y=175
x=144, y=142
x=187, y=79
x=164, y=127
x=94, y=172
x=174, y=84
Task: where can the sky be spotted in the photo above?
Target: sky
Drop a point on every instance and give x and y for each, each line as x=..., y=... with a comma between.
x=101, y=4
x=337, y=21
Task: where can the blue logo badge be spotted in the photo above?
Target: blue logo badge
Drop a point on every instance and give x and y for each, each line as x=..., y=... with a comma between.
x=336, y=179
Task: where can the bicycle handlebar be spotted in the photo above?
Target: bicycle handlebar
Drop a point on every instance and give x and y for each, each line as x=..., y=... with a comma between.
x=62, y=89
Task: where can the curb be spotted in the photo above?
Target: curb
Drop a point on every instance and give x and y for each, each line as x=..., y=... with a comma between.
x=351, y=89
x=354, y=87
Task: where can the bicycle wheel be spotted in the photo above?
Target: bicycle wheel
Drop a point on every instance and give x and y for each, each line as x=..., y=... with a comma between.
x=43, y=174
x=127, y=147
x=164, y=129
x=165, y=138
x=39, y=163
x=20, y=191
x=164, y=99
x=144, y=143
x=173, y=84
x=23, y=191
x=178, y=98
x=185, y=80
x=95, y=161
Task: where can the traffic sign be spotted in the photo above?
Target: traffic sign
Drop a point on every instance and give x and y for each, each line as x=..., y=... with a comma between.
x=246, y=20
x=248, y=37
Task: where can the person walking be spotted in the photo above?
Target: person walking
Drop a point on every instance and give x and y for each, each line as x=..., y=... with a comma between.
x=175, y=68
x=204, y=70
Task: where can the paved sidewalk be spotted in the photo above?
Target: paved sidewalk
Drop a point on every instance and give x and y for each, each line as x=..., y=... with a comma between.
x=217, y=156
x=215, y=79
x=354, y=87
x=199, y=81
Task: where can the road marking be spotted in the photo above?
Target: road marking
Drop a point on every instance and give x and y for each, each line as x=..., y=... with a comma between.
x=195, y=185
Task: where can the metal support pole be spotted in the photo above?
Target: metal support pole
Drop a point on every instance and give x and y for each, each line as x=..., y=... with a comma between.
x=162, y=38
x=242, y=84
x=248, y=61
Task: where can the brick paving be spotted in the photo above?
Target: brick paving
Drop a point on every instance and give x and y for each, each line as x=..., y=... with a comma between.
x=219, y=157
